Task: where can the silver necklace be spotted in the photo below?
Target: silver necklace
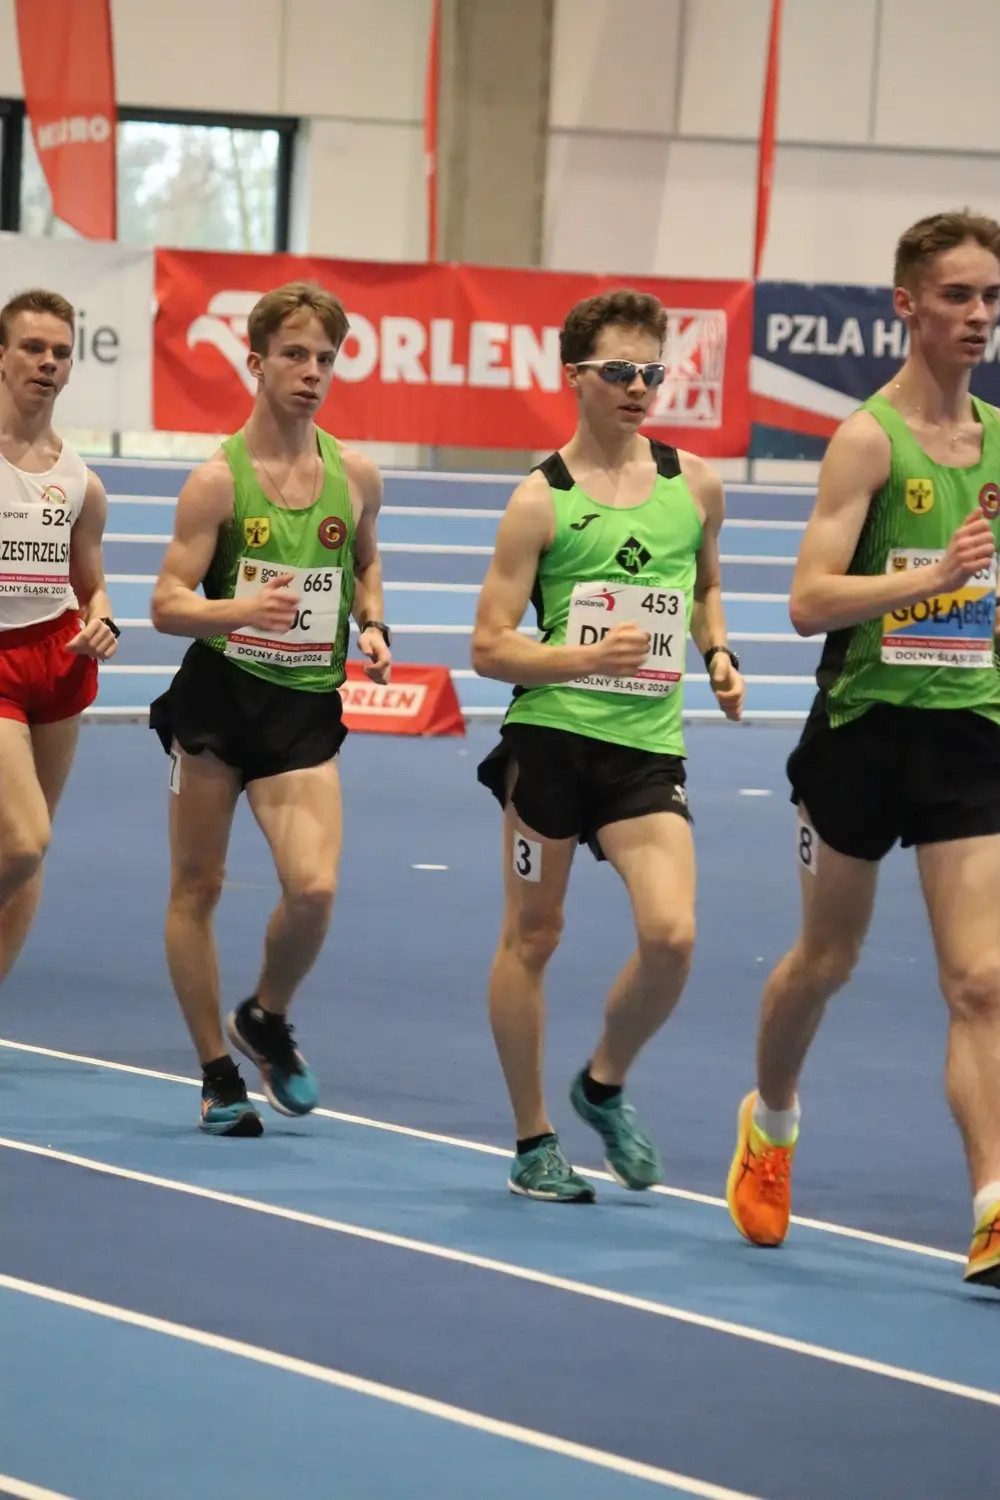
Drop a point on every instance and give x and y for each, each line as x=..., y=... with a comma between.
x=314, y=495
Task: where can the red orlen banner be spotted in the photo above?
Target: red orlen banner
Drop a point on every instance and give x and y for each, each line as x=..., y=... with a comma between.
x=67, y=64
x=445, y=355
x=418, y=700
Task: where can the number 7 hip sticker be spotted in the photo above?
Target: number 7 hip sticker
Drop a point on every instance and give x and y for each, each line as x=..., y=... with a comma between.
x=527, y=858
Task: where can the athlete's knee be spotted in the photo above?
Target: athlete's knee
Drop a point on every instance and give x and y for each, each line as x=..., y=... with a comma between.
x=197, y=889
x=667, y=939
x=825, y=969
x=20, y=859
x=534, y=936
x=311, y=894
x=972, y=989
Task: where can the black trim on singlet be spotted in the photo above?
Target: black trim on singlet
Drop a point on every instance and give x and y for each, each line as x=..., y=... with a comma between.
x=558, y=477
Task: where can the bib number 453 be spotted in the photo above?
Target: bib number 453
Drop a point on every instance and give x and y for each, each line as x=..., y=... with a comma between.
x=660, y=604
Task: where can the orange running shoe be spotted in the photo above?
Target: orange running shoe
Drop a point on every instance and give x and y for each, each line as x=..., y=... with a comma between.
x=759, y=1189
x=983, y=1265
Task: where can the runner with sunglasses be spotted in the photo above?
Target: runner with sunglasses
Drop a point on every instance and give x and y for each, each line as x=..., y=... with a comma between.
x=615, y=540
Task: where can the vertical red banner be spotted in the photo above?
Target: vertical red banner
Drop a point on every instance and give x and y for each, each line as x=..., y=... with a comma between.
x=431, y=127
x=765, y=148
x=67, y=64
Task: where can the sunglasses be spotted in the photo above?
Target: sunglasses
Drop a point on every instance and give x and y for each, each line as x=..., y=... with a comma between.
x=624, y=371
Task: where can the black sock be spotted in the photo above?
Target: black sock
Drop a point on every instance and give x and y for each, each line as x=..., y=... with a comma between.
x=598, y=1093
x=531, y=1141
x=219, y=1069
x=255, y=1013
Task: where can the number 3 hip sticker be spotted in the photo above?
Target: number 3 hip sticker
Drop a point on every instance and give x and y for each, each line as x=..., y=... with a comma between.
x=527, y=858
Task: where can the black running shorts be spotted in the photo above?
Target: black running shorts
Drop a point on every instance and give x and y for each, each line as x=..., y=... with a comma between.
x=260, y=728
x=919, y=775
x=568, y=785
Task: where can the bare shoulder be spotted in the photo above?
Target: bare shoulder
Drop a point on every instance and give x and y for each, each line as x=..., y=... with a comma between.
x=208, y=490
x=863, y=438
x=95, y=492
x=363, y=474
x=530, y=511
x=704, y=483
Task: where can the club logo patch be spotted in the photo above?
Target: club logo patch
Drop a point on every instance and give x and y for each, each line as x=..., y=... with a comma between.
x=332, y=532
x=919, y=496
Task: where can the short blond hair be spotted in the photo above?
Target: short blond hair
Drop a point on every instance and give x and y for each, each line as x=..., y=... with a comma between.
x=37, y=300
x=296, y=297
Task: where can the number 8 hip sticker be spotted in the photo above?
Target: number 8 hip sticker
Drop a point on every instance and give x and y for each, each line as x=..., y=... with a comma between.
x=527, y=858
x=808, y=844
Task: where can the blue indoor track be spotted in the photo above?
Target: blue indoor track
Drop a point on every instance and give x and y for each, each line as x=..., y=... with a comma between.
x=353, y=1307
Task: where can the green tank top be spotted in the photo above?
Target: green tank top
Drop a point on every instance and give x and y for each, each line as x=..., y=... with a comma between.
x=939, y=653
x=316, y=546
x=607, y=566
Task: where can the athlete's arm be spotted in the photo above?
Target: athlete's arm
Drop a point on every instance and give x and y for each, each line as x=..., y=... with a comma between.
x=708, y=618
x=824, y=596
x=204, y=505
x=499, y=649
x=86, y=574
x=366, y=481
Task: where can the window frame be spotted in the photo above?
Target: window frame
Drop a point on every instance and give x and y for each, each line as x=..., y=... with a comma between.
x=13, y=117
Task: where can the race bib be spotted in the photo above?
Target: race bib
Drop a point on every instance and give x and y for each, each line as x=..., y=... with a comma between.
x=946, y=630
x=310, y=641
x=34, y=549
x=595, y=607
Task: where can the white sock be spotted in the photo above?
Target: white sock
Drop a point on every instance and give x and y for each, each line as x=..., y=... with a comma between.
x=781, y=1126
x=985, y=1199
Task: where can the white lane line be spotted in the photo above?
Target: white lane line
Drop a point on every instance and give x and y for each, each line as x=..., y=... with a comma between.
x=866, y=1236
x=666, y=1310
x=424, y=1405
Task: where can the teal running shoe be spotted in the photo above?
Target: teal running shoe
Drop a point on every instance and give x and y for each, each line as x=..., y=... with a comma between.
x=545, y=1173
x=225, y=1108
x=286, y=1078
x=629, y=1154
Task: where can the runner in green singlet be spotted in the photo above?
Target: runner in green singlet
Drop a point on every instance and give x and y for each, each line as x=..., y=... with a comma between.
x=615, y=540
x=279, y=529
x=898, y=568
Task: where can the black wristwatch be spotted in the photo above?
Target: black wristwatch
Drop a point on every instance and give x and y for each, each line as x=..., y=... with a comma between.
x=376, y=625
x=713, y=651
x=111, y=626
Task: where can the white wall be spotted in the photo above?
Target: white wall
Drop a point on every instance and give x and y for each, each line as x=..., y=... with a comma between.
x=654, y=122
x=886, y=112
x=353, y=68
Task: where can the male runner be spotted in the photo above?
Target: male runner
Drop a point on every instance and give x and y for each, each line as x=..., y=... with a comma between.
x=280, y=529
x=898, y=568
x=615, y=538
x=55, y=616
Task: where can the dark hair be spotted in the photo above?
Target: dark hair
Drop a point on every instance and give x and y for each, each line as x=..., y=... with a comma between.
x=931, y=236
x=297, y=296
x=36, y=299
x=625, y=309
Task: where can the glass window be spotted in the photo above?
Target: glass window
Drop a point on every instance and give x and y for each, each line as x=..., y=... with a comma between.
x=190, y=186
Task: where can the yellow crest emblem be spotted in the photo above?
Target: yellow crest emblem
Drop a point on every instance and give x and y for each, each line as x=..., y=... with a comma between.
x=919, y=496
x=249, y=571
x=257, y=531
